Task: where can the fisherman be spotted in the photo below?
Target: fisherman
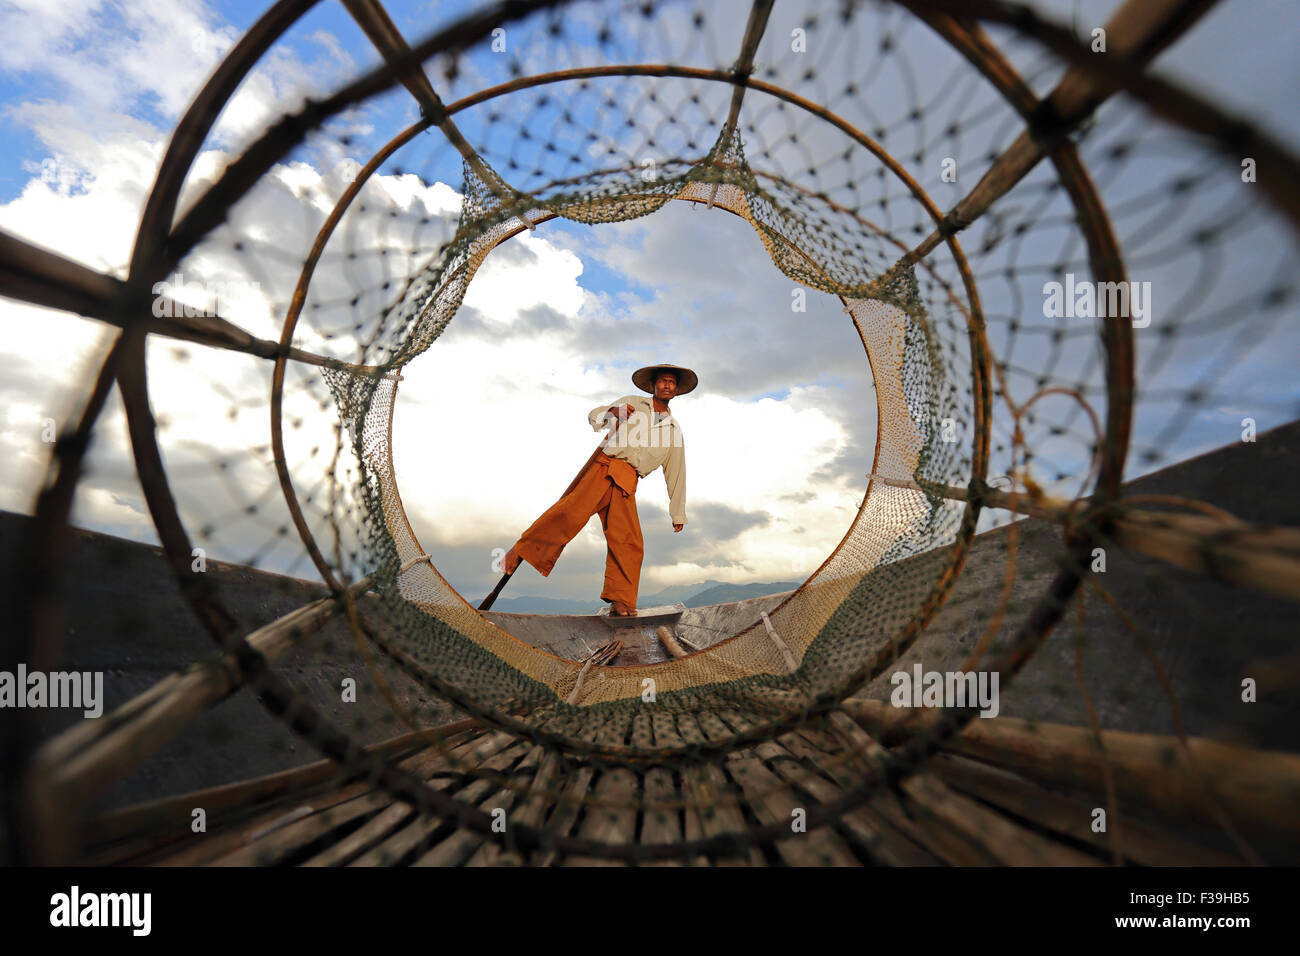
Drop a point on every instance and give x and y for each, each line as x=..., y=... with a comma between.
x=643, y=436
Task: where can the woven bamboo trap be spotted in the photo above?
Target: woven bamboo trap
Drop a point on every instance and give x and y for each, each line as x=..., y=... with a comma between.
x=774, y=742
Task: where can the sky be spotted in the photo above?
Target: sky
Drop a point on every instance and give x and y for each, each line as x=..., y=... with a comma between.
x=781, y=433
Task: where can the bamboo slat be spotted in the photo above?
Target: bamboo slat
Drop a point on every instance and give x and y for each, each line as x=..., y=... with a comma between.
x=160, y=817
x=618, y=786
x=227, y=838
x=274, y=845
x=569, y=807
x=263, y=849
x=969, y=833
x=862, y=828
x=372, y=831
x=1140, y=842
x=661, y=783
x=716, y=797
x=879, y=822
x=543, y=764
x=426, y=830
x=772, y=801
x=458, y=848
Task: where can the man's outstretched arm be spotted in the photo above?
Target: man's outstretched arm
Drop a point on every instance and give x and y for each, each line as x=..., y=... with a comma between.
x=675, y=479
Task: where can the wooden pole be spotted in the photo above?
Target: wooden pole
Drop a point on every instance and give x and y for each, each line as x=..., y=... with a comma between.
x=670, y=643
x=1256, y=788
x=491, y=598
x=1260, y=557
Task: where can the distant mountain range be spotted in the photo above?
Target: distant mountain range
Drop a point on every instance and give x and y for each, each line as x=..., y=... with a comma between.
x=700, y=594
x=726, y=593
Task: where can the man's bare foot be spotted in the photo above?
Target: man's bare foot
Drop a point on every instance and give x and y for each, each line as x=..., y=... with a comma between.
x=512, y=561
x=619, y=609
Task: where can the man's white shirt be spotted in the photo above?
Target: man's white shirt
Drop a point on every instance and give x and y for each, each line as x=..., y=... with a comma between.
x=648, y=440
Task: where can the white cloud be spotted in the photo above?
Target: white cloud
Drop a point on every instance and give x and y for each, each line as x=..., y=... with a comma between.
x=534, y=274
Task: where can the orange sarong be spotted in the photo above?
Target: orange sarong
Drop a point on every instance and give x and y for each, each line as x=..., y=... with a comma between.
x=606, y=487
